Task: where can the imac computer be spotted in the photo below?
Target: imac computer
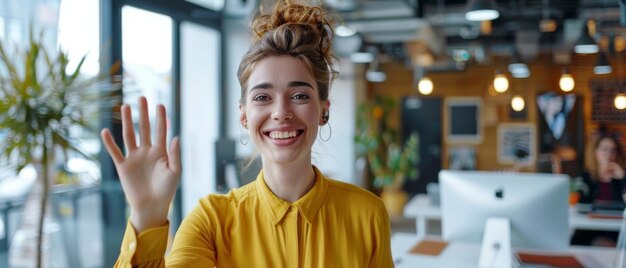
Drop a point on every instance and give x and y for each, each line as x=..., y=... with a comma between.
x=536, y=206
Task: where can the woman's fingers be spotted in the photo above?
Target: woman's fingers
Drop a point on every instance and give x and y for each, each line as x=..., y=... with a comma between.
x=616, y=170
x=161, y=128
x=174, y=157
x=144, y=122
x=128, y=130
x=112, y=148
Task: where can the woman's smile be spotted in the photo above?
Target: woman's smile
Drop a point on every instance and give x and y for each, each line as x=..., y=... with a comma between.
x=284, y=137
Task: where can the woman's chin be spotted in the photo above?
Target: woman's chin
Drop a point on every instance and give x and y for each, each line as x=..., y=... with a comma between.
x=284, y=157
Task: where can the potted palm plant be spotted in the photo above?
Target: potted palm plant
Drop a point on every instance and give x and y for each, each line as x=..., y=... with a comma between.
x=42, y=103
x=390, y=162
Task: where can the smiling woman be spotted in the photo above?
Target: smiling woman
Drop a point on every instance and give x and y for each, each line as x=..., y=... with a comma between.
x=282, y=110
x=292, y=213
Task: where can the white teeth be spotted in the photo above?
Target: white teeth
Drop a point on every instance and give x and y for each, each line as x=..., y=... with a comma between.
x=282, y=134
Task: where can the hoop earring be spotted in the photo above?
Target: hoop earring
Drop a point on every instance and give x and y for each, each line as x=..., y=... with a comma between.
x=330, y=132
x=243, y=139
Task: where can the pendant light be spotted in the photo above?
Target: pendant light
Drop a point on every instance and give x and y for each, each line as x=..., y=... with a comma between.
x=344, y=30
x=365, y=54
x=620, y=101
x=602, y=66
x=566, y=83
x=500, y=82
x=586, y=44
x=517, y=67
x=481, y=10
x=518, y=103
x=374, y=73
x=425, y=86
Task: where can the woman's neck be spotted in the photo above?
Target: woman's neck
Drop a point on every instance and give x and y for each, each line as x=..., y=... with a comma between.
x=289, y=181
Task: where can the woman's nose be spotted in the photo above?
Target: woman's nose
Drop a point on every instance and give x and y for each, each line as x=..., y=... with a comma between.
x=282, y=111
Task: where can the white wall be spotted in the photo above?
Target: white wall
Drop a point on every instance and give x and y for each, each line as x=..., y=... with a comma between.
x=237, y=41
x=335, y=157
x=199, y=111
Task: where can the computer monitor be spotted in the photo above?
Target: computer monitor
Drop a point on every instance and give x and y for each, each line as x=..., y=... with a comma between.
x=535, y=204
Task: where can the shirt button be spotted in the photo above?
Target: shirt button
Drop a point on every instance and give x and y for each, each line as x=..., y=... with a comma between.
x=132, y=246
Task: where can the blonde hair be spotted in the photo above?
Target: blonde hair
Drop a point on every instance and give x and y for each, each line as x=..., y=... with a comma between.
x=294, y=30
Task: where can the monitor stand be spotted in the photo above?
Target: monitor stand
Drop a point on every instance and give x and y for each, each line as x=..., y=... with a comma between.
x=496, y=251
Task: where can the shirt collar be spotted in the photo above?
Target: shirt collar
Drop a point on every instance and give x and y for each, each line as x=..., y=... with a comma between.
x=307, y=205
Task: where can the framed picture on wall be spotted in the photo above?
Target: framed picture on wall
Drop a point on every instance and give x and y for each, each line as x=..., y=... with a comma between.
x=517, y=143
x=463, y=120
x=462, y=158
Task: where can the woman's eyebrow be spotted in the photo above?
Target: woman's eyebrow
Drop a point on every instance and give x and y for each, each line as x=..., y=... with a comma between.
x=291, y=84
x=299, y=84
x=262, y=86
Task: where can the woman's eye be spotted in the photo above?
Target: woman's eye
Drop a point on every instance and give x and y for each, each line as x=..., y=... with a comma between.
x=300, y=97
x=260, y=98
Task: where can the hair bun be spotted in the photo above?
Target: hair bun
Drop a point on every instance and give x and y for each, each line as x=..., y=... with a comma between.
x=286, y=13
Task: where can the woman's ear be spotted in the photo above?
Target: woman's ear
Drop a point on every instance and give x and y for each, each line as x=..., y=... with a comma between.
x=325, y=113
x=243, y=119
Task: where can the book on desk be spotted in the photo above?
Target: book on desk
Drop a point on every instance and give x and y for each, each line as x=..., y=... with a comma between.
x=603, y=209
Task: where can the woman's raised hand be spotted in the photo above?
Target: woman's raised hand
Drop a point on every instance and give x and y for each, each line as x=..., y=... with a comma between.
x=616, y=171
x=148, y=173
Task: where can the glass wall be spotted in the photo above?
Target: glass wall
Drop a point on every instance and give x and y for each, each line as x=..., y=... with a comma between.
x=147, y=60
x=200, y=62
x=167, y=55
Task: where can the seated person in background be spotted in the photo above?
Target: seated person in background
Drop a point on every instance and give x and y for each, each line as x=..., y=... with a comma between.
x=604, y=177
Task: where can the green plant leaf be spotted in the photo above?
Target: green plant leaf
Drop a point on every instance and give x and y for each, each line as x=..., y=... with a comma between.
x=40, y=101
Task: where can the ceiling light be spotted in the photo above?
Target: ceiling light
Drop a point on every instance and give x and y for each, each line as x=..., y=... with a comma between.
x=425, y=86
x=586, y=44
x=518, y=103
x=361, y=57
x=517, y=68
x=480, y=10
x=521, y=73
x=345, y=31
x=500, y=82
x=547, y=25
x=365, y=54
x=602, y=66
x=566, y=83
x=374, y=74
x=486, y=27
x=620, y=101
x=619, y=42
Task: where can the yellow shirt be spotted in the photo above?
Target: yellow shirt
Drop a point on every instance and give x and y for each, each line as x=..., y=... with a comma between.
x=335, y=224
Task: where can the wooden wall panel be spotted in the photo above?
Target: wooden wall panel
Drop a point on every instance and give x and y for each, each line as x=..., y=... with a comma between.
x=475, y=81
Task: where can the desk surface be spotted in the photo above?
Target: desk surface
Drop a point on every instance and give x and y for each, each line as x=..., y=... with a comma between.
x=421, y=208
x=459, y=255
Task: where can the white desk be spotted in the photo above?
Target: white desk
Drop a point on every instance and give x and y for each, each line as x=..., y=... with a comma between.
x=421, y=208
x=460, y=255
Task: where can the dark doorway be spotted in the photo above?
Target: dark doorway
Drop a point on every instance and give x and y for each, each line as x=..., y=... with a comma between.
x=423, y=116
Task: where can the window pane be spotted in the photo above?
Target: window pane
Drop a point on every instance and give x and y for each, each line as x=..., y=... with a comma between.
x=199, y=110
x=79, y=33
x=147, y=60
